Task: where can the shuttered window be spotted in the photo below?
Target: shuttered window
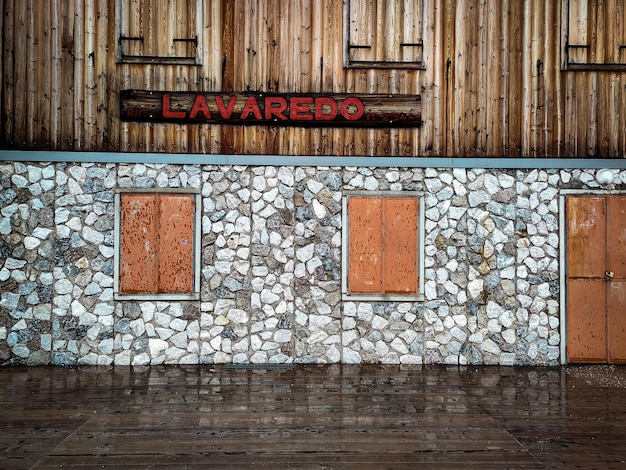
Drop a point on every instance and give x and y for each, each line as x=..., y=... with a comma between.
x=385, y=33
x=596, y=34
x=382, y=246
x=158, y=246
x=154, y=31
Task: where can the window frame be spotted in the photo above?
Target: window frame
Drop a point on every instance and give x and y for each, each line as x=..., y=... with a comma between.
x=380, y=63
x=196, y=255
x=345, y=292
x=567, y=49
x=122, y=58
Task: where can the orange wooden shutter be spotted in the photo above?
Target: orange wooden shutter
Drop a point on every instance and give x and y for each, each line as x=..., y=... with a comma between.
x=156, y=250
x=176, y=243
x=365, y=245
x=383, y=245
x=400, y=245
x=138, y=248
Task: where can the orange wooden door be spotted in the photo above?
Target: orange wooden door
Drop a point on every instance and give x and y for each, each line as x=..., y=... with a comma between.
x=596, y=279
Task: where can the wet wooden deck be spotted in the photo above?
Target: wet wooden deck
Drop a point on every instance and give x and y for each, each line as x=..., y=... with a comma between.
x=312, y=417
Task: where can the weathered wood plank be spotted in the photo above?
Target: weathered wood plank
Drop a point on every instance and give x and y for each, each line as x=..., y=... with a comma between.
x=20, y=100
x=7, y=117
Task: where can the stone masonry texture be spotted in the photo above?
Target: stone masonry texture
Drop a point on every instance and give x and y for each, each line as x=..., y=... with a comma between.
x=271, y=268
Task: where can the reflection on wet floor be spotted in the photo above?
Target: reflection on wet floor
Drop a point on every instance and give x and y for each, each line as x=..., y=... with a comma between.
x=314, y=416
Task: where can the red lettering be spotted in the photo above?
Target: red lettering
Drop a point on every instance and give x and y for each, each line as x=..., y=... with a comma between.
x=324, y=102
x=167, y=113
x=251, y=106
x=347, y=103
x=299, y=109
x=200, y=106
x=275, y=106
x=225, y=112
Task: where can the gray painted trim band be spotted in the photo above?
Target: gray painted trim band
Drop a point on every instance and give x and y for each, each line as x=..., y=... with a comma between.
x=311, y=160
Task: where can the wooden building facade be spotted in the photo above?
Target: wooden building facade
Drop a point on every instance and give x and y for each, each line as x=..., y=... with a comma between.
x=312, y=181
x=533, y=78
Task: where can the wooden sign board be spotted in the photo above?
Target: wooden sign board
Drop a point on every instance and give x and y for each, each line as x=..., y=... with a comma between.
x=271, y=109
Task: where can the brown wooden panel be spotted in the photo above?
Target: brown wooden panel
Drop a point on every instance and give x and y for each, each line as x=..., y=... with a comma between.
x=616, y=236
x=616, y=321
x=586, y=321
x=616, y=286
x=138, y=247
x=400, y=245
x=365, y=245
x=586, y=233
x=176, y=229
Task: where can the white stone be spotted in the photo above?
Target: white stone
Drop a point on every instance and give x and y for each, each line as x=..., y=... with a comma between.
x=269, y=297
x=399, y=346
x=491, y=184
x=239, y=348
x=347, y=337
x=430, y=290
x=349, y=309
x=318, y=322
x=92, y=235
x=314, y=186
x=237, y=316
x=305, y=253
x=351, y=357
x=63, y=286
x=381, y=349
x=489, y=346
x=259, y=357
x=106, y=346
x=475, y=288
x=379, y=323
x=476, y=198
x=333, y=355
x=409, y=336
x=371, y=183
x=317, y=337
x=222, y=306
x=410, y=359
x=4, y=274
x=365, y=312
x=460, y=174
x=282, y=336
x=259, y=183
x=178, y=324
x=285, y=176
x=334, y=339
x=509, y=336
x=313, y=264
x=318, y=209
x=30, y=243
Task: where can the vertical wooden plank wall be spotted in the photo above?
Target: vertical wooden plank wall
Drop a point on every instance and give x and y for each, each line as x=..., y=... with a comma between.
x=493, y=83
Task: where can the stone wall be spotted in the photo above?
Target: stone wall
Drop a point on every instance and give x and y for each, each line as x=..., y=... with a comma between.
x=271, y=268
